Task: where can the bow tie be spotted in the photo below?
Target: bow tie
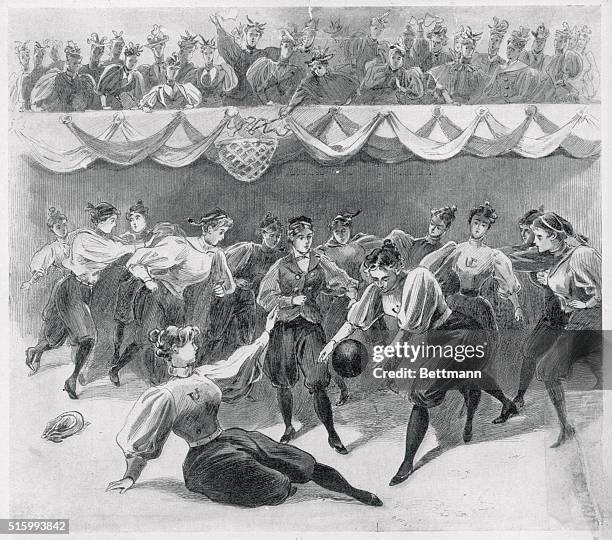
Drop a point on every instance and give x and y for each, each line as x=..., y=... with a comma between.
x=302, y=257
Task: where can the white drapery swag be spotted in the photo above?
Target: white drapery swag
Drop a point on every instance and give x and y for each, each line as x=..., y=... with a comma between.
x=297, y=139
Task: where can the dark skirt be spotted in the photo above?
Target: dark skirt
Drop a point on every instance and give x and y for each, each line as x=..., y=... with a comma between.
x=296, y=344
x=67, y=314
x=246, y=468
x=580, y=342
x=459, y=331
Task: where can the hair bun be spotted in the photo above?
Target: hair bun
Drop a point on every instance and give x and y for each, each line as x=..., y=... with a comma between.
x=51, y=210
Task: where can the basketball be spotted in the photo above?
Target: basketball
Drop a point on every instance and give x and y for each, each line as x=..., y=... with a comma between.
x=349, y=358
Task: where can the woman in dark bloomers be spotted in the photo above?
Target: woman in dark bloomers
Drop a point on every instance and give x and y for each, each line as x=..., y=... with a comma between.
x=230, y=466
x=293, y=285
x=68, y=315
x=414, y=299
x=473, y=263
x=237, y=318
x=575, y=278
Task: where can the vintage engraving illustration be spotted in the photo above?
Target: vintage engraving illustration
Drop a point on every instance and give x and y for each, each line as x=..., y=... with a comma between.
x=307, y=268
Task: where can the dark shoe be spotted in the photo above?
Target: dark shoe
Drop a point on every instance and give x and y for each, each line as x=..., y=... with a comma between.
x=288, y=435
x=82, y=380
x=114, y=377
x=70, y=388
x=335, y=442
x=467, y=431
x=519, y=401
x=566, y=434
x=368, y=498
x=508, y=410
x=401, y=475
x=344, y=397
x=32, y=360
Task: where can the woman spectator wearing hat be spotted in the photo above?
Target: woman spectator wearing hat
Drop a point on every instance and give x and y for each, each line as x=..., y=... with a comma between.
x=575, y=278
x=348, y=252
x=241, y=56
x=187, y=72
x=459, y=81
x=292, y=285
x=588, y=82
x=117, y=44
x=94, y=68
x=229, y=466
x=18, y=99
x=64, y=91
x=413, y=298
x=322, y=86
x=171, y=94
x=155, y=74
x=535, y=58
x=490, y=61
x=275, y=81
x=474, y=263
x=167, y=268
x=513, y=82
x=363, y=49
x=390, y=83
x=236, y=319
x=121, y=86
x=50, y=256
x=437, y=56
x=67, y=314
x=563, y=90
x=553, y=71
x=38, y=70
x=216, y=78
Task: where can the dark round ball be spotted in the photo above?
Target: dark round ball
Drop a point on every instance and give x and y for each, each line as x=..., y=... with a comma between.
x=350, y=357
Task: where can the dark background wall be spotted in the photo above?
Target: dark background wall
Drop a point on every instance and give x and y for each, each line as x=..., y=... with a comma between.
x=390, y=196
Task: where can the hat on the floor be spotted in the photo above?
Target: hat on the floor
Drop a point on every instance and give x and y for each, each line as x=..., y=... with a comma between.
x=66, y=424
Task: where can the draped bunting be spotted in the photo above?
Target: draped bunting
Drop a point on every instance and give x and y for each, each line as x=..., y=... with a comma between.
x=331, y=139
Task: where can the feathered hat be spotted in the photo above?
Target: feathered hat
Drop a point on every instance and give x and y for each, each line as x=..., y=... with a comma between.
x=344, y=217
x=207, y=43
x=467, y=36
x=438, y=31
x=188, y=41
x=519, y=38
x=173, y=59
x=96, y=41
x=158, y=36
x=541, y=32
x=499, y=28
x=133, y=49
x=72, y=50
x=382, y=21
x=117, y=37
x=321, y=56
x=260, y=27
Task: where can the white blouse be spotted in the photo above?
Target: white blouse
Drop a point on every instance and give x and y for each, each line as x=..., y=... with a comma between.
x=416, y=302
x=179, y=262
x=474, y=263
